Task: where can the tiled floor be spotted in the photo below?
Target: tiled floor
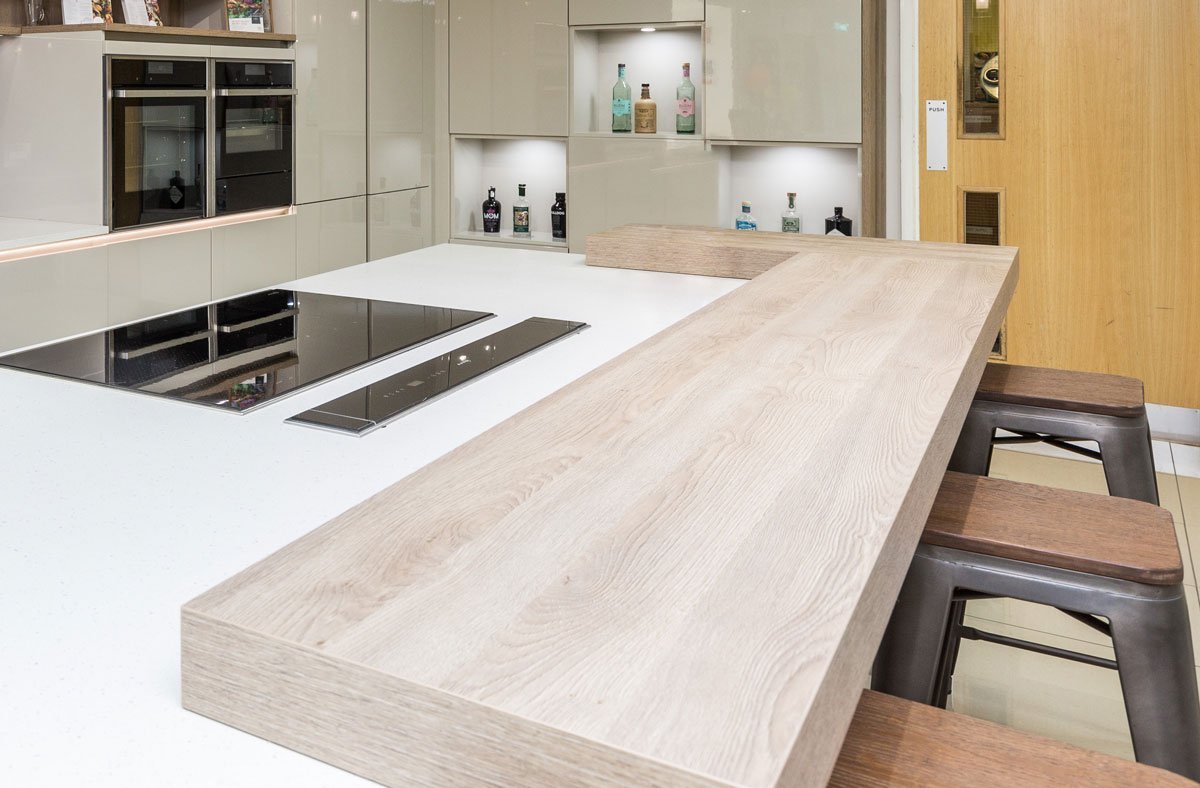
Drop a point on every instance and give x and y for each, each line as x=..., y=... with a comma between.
x=1065, y=700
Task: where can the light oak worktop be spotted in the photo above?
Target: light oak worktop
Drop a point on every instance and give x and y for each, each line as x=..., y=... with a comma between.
x=674, y=571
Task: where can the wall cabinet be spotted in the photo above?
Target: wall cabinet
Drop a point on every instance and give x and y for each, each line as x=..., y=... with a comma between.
x=399, y=222
x=253, y=255
x=400, y=95
x=784, y=70
x=53, y=296
x=331, y=108
x=151, y=276
x=330, y=235
x=508, y=67
x=625, y=12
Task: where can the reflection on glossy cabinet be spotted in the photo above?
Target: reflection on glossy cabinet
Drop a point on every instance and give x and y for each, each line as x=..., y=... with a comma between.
x=51, y=297
x=784, y=70
x=253, y=255
x=331, y=235
x=399, y=222
x=400, y=80
x=331, y=105
x=618, y=12
x=151, y=276
x=656, y=181
x=508, y=67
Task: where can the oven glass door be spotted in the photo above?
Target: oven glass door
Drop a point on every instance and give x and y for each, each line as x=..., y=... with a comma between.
x=157, y=159
x=254, y=135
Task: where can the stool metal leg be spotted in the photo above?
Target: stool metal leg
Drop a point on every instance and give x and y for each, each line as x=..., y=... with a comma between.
x=1128, y=458
x=1158, y=681
x=973, y=452
x=910, y=654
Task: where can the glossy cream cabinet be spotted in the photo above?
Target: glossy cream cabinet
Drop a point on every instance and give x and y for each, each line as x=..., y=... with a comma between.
x=253, y=255
x=617, y=12
x=615, y=181
x=509, y=67
x=151, y=276
x=399, y=95
x=331, y=106
x=53, y=296
x=784, y=70
x=399, y=222
x=330, y=235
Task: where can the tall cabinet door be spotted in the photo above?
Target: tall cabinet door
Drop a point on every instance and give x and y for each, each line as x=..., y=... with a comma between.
x=400, y=75
x=398, y=222
x=784, y=70
x=331, y=108
x=331, y=235
x=508, y=67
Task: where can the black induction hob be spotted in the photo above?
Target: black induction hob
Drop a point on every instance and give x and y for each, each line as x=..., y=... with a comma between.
x=244, y=352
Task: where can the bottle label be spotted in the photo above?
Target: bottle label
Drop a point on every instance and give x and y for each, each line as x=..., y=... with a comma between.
x=646, y=120
x=687, y=108
x=791, y=224
x=520, y=220
x=621, y=107
x=836, y=232
x=176, y=195
x=746, y=224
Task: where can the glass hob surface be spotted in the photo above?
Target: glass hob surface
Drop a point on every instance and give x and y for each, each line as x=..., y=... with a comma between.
x=238, y=354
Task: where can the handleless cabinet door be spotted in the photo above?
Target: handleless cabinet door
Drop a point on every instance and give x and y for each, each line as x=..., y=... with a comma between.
x=508, y=67
x=253, y=255
x=398, y=222
x=612, y=182
x=54, y=296
x=151, y=276
x=331, y=108
x=400, y=74
x=632, y=12
x=784, y=70
x=331, y=235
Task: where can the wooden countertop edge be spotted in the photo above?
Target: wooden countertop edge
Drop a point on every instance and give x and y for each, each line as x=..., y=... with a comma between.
x=154, y=30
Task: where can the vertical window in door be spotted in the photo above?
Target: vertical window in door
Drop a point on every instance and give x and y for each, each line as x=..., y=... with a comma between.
x=981, y=212
x=982, y=111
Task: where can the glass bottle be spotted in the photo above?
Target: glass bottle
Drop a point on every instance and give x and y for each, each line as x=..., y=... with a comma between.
x=645, y=113
x=491, y=212
x=558, y=216
x=521, y=213
x=685, y=99
x=622, y=109
x=838, y=224
x=745, y=220
x=790, y=219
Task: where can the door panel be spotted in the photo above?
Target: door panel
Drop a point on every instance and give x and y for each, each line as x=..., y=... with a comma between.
x=1101, y=180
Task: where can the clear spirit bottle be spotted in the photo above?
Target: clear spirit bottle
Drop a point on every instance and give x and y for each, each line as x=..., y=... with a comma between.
x=745, y=220
x=839, y=224
x=622, y=103
x=521, y=213
x=790, y=219
x=685, y=100
x=645, y=113
x=491, y=212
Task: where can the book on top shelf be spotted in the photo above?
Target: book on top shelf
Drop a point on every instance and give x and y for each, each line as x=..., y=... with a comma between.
x=142, y=12
x=86, y=12
x=248, y=16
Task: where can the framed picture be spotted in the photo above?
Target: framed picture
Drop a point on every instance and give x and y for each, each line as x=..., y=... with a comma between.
x=248, y=16
x=141, y=12
x=86, y=12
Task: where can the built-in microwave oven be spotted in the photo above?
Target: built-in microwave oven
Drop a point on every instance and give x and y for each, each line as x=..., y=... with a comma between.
x=254, y=135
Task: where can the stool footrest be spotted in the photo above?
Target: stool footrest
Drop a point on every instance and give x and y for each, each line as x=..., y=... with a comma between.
x=974, y=633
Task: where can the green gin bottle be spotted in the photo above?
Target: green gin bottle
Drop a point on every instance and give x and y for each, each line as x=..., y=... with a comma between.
x=790, y=218
x=521, y=213
x=622, y=103
x=685, y=100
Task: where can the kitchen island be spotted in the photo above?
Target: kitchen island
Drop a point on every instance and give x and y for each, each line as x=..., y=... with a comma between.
x=117, y=508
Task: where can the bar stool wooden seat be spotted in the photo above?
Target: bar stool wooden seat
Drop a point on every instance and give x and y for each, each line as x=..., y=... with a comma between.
x=1112, y=563
x=897, y=742
x=1057, y=407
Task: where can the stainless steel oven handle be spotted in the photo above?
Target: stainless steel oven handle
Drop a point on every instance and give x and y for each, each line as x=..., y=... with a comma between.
x=157, y=93
x=129, y=355
x=256, y=91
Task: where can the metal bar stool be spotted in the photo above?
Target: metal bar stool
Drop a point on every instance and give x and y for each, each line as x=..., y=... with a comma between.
x=1091, y=554
x=1056, y=407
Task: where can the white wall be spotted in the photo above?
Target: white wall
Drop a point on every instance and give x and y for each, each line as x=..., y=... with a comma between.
x=541, y=164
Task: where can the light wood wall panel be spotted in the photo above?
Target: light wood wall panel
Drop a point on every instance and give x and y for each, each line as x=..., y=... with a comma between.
x=1101, y=168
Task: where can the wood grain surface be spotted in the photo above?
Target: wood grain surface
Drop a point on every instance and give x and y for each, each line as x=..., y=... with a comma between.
x=675, y=570
x=163, y=31
x=1084, y=532
x=1087, y=392
x=894, y=742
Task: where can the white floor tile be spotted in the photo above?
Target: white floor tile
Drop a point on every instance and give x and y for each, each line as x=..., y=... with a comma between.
x=1187, y=460
x=1164, y=462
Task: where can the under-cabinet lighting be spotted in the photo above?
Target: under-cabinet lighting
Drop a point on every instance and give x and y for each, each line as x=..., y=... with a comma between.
x=649, y=29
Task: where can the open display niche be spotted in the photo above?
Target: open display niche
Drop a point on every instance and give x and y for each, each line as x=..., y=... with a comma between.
x=655, y=57
x=822, y=177
x=504, y=162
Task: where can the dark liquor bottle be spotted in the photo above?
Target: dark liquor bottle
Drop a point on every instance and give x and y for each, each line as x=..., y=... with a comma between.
x=558, y=216
x=838, y=224
x=177, y=191
x=491, y=212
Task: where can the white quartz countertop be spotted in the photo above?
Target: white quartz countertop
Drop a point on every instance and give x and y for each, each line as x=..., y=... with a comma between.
x=18, y=233
x=116, y=508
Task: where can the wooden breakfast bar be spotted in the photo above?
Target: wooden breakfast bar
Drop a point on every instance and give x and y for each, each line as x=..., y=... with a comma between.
x=674, y=571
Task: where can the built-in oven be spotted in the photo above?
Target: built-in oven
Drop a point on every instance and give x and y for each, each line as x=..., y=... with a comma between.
x=157, y=136
x=253, y=131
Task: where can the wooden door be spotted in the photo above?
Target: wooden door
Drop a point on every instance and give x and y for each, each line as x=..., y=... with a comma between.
x=1096, y=161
